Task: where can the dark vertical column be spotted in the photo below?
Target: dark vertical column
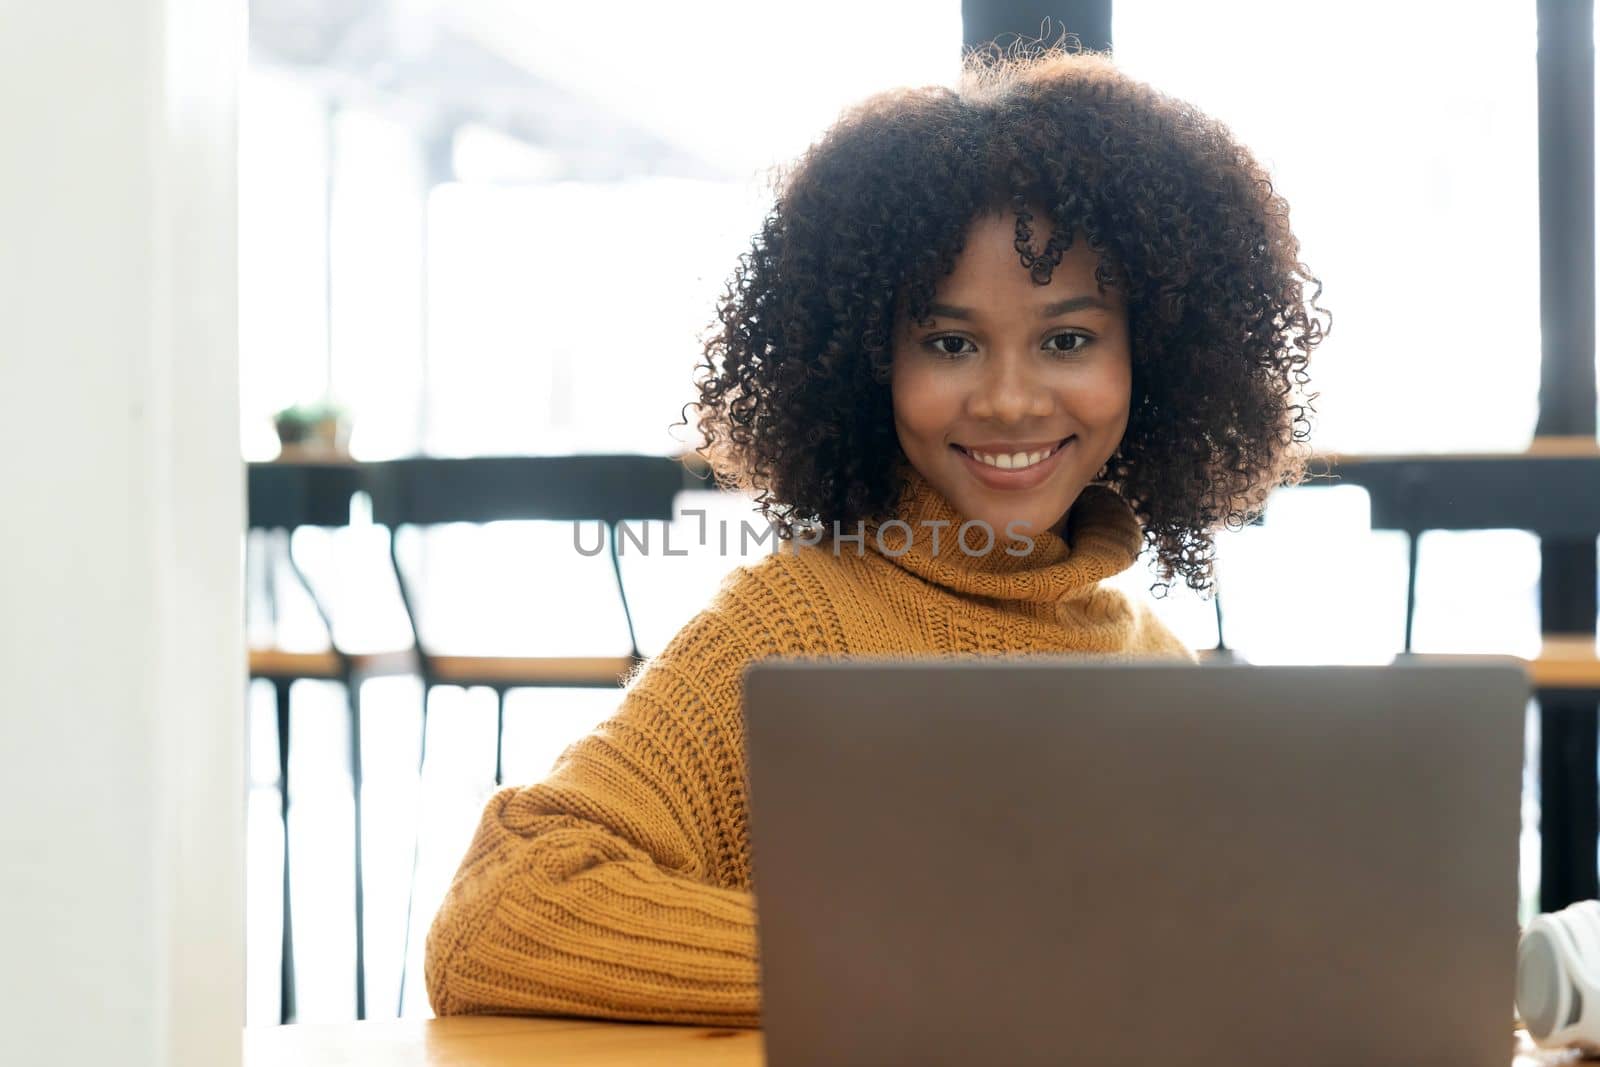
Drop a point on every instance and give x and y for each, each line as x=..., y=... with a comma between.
x=499, y=736
x=1413, y=557
x=1570, y=800
x=283, y=688
x=1006, y=20
x=352, y=689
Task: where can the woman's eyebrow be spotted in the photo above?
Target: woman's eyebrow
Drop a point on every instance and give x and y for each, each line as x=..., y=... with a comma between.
x=1075, y=303
x=1046, y=311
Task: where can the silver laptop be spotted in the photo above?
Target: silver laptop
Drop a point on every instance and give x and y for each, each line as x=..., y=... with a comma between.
x=1053, y=861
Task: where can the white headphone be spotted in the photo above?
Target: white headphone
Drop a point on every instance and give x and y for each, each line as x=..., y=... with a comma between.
x=1558, y=977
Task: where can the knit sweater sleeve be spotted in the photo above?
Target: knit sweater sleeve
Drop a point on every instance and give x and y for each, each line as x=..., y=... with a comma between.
x=619, y=886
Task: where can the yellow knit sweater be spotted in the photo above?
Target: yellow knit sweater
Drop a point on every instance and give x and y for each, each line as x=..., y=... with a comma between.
x=620, y=885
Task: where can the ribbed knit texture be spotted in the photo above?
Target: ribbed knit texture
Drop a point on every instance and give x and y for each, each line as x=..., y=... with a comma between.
x=619, y=887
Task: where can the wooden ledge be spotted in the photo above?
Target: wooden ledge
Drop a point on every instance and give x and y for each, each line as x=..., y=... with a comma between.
x=1563, y=662
x=532, y=671
x=1566, y=662
x=502, y=671
x=325, y=664
x=1539, y=448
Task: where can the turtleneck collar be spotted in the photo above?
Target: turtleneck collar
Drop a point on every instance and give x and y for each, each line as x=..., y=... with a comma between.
x=1102, y=538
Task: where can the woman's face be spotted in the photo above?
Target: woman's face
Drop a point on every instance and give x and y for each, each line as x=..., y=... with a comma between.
x=1017, y=394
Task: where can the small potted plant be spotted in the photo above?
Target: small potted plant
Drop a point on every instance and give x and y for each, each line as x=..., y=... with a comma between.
x=313, y=431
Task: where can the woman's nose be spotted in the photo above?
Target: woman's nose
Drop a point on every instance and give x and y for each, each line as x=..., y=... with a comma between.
x=1009, y=391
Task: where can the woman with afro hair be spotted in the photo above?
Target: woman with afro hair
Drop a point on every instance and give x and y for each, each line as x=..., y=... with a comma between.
x=990, y=345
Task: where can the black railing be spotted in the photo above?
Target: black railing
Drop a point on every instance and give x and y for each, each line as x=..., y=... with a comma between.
x=1553, y=491
x=422, y=492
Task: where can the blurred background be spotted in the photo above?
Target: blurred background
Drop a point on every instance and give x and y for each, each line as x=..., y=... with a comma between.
x=495, y=229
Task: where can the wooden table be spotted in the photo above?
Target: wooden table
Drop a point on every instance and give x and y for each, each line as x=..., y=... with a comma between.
x=501, y=1041
x=498, y=1041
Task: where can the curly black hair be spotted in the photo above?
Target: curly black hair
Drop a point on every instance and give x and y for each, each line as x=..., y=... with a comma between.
x=794, y=400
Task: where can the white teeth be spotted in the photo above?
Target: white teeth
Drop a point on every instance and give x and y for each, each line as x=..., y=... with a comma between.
x=1013, y=460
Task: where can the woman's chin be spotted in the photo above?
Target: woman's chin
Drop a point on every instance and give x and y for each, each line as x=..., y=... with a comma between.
x=1017, y=515
x=1013, y=527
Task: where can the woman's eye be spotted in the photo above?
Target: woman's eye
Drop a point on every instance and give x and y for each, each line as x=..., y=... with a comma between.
x=1073, y=342
x=948, y=346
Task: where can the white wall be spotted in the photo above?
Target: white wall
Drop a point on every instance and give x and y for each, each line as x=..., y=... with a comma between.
x=121, y=505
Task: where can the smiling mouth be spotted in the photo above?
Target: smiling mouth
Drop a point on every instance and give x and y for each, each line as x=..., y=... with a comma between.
x=1020, y=459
